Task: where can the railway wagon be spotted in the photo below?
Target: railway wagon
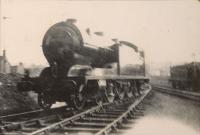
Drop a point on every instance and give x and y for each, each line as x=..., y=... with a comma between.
x=81, y=72
x=186, y=76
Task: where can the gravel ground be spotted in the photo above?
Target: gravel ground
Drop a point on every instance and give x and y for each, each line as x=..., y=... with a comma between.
x=167, y=115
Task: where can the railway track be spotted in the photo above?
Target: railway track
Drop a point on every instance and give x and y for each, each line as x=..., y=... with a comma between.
x=30, y=114
x=17, y=121
x=97, y=120
x=186, y=94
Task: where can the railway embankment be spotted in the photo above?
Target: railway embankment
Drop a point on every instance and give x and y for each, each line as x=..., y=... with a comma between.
x=11, y=100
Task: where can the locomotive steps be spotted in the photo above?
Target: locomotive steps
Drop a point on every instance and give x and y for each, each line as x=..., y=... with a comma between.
x=100, y=119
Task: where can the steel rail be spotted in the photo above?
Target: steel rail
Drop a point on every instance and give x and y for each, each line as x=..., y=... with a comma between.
x=123, y=117
x=68, y=120
x=186, y=94
x=100, y=119
x=39, y=116
x=20, y=126
x=20, y=114
x=113, y=114
x=28, y=113
x=14, y=125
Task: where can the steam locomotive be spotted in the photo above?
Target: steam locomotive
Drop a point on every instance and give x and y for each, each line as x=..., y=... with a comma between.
x=79, y=72
x=186, y=77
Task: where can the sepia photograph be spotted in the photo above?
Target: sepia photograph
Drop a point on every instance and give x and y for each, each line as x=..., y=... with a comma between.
x=99, y=67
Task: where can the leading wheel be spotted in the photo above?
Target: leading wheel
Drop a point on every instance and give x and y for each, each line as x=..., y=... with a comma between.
x=78, y=99
x=44, y=100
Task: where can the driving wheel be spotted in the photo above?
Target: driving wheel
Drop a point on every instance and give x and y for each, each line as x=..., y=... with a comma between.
x=78, y=99
x=44, y=100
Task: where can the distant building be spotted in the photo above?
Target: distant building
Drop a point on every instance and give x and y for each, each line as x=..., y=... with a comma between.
x=35, y=70
x=5, y=66
x=164, y=72
x=13, y=69
x=159, y=69
x=18, y=69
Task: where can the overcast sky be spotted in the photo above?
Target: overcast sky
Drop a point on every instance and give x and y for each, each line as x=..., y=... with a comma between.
x=168, y=31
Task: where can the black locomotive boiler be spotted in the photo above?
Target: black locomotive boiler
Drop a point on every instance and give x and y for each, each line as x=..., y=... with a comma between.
x=78, y=73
